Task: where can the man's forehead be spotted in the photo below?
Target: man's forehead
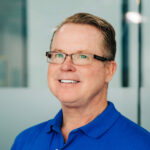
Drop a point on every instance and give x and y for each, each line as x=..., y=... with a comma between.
x=78, y=36
x=80, y=31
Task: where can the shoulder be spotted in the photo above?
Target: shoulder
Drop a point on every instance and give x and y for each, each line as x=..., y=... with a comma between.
x=133, y=133
x=34, y=129
x=133, y=127
x=29, y=134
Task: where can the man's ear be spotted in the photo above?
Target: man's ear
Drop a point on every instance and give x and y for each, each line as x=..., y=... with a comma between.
x=111, y=67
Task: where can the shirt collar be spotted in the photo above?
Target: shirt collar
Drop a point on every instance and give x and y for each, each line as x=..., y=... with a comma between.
x=101, y=124
x=55, y=124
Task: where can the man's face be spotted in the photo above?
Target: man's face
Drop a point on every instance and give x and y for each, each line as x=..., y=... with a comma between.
x=92, y=79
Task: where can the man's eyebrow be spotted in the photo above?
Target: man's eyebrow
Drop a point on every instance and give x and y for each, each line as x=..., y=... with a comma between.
x=82, y=51
x=57, y=50
x=63, y=51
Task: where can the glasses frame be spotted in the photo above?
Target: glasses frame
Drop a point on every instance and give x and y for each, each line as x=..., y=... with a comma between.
x=97, y=57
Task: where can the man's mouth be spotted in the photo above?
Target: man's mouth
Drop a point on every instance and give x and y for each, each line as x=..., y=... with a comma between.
x=68, y=81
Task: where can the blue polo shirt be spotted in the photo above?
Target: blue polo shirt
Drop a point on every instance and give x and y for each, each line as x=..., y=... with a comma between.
x=108, y=131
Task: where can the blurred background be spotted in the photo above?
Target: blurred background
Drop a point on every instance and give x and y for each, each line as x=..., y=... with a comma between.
x=26, y=27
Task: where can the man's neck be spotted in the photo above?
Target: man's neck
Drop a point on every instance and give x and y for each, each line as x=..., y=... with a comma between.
x=77, y=117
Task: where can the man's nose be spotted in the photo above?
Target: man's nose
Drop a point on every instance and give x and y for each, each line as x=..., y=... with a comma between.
x=68, y=65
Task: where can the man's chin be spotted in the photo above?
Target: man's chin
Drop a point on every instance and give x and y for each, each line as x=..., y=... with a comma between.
x=70, y=103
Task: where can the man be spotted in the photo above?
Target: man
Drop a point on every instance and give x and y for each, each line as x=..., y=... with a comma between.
x=81, y=64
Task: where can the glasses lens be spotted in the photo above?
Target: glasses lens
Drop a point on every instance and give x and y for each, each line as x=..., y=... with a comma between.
x=54, y=57
x=82, y=59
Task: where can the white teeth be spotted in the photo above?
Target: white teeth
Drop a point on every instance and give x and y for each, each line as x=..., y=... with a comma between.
x=68, y=81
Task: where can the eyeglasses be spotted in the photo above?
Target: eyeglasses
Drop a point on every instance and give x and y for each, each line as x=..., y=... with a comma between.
x=77, y=58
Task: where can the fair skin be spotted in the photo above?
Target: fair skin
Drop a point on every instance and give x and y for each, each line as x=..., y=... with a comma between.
x=82, y=101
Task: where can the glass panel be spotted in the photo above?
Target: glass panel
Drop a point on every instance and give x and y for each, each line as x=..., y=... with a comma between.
x=11, y=44
x=145, y=95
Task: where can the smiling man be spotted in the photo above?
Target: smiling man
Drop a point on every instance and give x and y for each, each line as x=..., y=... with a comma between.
x=81, y=64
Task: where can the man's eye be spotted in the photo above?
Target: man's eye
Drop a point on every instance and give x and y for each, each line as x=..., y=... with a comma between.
x=59, y=55
x=83, y=56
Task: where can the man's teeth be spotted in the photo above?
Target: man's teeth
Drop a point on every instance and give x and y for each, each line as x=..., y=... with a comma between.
x=68, y=81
